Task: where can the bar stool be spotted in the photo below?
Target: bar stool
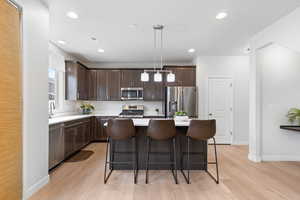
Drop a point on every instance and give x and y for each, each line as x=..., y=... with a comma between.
x=120, y=129
x=201, y=130
x=160, y=130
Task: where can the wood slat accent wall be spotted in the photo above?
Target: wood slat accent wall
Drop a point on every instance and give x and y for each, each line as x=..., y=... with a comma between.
x=10, y=103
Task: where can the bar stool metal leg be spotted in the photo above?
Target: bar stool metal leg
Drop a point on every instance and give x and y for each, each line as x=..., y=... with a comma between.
x=175, y=160
x=188, y=160
x=147, y=161
x=135, y=168
x=187, y=178
x=106, y=162
x=216, y=163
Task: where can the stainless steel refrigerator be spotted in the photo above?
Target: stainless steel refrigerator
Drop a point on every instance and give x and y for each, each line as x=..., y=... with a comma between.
x=181, y=99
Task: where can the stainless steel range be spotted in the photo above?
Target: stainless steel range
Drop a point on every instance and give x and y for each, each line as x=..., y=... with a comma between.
x=132, y=111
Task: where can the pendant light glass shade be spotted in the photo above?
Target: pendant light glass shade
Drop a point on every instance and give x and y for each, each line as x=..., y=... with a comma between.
x=171, y=77
x=157, y=77
x=144, y=77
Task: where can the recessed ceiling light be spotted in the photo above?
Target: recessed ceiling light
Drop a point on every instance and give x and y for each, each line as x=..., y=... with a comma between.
x=72, y=15
x=101, y=50
x=221, y=15
x=61, y=42
x=191, y=50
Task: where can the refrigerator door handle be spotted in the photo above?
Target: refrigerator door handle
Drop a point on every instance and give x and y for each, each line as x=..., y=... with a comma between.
x=173, y=106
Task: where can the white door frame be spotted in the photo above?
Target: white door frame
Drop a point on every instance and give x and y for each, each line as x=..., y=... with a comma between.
x=231, y=102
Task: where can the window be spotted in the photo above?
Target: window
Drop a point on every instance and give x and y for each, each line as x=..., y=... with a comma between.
x=52, y=86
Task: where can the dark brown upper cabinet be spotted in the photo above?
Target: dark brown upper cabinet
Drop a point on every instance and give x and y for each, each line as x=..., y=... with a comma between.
x=76, y=81
x=184, y=75
x=101, y=85
x=113, y=85
x=153, y=91
x=131, y=78
x=108, y=85
x=92, y=84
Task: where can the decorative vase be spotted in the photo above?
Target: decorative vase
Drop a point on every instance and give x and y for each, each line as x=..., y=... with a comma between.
x=86, y=111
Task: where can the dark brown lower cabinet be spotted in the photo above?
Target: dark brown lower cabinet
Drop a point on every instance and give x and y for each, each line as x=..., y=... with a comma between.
x=67, y=138
x=56, y=145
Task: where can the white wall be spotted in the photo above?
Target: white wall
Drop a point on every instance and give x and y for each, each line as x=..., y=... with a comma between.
x=115, y=107
x=131, y=64
x=267, y=141
x=236, y=67
x=280, y=91
x=35, y=95
x=57, y=58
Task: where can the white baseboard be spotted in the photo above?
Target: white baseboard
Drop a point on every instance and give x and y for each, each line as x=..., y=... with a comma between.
x=240, y=143
x=281, y=157
x=35, y=187
x=254, y=158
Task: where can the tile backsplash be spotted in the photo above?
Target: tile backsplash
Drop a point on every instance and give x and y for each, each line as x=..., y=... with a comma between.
x=115, y=107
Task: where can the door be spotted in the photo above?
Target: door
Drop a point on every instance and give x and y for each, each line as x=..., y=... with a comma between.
x=220, y=95
x=10, y=103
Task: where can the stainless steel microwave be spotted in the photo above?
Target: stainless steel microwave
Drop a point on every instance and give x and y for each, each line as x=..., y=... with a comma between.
x=132, y=94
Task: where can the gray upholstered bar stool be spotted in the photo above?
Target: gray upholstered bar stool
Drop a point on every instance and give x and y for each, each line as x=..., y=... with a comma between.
x=201, y=130
x=160, y=130
x=120, y=129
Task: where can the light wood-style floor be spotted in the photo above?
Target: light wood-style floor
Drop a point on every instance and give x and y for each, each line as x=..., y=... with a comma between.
x=81, y=178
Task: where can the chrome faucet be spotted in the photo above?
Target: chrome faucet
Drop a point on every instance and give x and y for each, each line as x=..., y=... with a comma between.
x=51, y=109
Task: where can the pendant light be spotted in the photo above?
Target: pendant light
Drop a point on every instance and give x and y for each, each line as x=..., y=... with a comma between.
x=171, y=77
x=144, y=77
x=158, y=66
x=157, y=77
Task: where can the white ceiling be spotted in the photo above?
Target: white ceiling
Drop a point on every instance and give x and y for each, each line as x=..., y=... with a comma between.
x=189, y=24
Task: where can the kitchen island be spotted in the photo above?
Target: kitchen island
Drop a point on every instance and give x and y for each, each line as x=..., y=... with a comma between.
x=121, y=149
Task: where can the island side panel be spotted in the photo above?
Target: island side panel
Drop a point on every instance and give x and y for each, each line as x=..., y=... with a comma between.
x=123, y=151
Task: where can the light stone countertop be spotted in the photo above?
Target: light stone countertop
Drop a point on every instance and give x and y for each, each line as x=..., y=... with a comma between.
x=145, y=122
x=61, y=119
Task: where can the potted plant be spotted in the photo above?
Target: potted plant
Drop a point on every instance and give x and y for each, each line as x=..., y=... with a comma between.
x=181, y=115
x=294, y=115
x=87, y=108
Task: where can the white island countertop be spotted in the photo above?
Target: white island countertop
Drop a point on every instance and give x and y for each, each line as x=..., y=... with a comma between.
x=61, y=119
x=145, y=122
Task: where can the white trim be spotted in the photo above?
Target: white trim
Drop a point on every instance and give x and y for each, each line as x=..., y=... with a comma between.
x=221, y=140
x=255, y=111
x=240, y=143
x=281, y=157
x=15, y=4
x=254, y=158
x=35, y=187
